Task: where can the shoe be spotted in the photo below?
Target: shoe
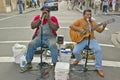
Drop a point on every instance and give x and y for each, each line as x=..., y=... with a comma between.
x=27, y=67
x=100, y=72
x=76, y=62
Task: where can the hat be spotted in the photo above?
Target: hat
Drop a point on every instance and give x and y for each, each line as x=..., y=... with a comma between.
x=45, y=6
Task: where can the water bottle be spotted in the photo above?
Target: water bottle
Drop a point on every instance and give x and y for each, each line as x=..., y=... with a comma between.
x=22, y=61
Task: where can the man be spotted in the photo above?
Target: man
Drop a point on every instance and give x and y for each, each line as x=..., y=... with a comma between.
x=97, y=7
x=113, y=5
x=24, y=4
x=20, y=7
x=87, y=4
x=78, y=26
x=46, y=28
x=105, y=6
x=74, y=3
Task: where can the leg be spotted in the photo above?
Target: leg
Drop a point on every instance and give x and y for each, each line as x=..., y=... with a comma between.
x=98, y=57
x=30, y=53
x=95, y=9
x=106, y=8
x=103, y=8
x=78, y=48
x=98, y=53
x=20, y=8
x=32, y=47
x=53, y=48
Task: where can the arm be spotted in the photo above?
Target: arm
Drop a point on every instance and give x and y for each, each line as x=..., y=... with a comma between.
x=36, y=22
x=104, y=24
x=76, y=26
x=53, y=23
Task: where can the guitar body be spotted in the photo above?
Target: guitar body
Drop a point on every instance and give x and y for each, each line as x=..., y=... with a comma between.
x=75, y=36
x=78, y=37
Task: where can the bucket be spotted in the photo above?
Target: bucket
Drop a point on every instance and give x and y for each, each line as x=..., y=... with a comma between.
x=18, y=52
x=65, y=55
x=62, y=73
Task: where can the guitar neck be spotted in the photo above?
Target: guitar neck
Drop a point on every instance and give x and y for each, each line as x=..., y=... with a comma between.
x=92, y=28
x=98, y=25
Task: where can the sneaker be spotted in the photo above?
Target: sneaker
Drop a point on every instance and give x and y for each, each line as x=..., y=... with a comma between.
x=76, y=62
x=27, y=67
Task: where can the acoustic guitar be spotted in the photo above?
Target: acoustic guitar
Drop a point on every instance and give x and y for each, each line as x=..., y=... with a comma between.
x=78, y=36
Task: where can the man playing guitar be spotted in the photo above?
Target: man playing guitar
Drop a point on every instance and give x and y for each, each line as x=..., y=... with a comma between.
x=79, y=33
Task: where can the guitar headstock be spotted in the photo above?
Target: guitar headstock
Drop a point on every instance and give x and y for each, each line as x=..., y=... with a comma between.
x=110, y=21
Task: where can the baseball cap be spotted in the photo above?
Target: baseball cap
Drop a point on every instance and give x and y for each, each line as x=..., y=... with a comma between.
x=45, y=6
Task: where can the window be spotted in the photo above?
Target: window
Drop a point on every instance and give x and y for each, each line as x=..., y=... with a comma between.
x=8, y=2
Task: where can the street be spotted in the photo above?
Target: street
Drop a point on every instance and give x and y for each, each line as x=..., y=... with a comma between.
x=15, y=28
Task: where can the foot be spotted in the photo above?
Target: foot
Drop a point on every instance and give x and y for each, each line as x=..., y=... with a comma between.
x=27, y=67
x=100, y=72
x=76, y=62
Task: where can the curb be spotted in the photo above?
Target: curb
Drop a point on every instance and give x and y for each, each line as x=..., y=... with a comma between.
x=30, y=10
x=118, y=37
x=109, y=13
x=81, y=11
x=114, y=40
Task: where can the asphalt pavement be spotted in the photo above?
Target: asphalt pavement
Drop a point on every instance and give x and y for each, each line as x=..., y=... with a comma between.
x=10, y=70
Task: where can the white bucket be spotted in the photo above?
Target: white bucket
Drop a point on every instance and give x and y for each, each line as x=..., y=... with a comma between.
x=65, y=55
x=61, y=73
x=18, y=52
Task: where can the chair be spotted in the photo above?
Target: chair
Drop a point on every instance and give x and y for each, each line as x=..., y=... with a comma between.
x=45, y=51
x=90, y=53
x=87, y=54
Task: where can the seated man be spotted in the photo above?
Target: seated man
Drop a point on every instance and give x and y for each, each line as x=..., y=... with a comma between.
x=80, y=36
x=47, y=26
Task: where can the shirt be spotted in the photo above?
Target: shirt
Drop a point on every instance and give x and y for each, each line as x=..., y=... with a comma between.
x=52, y=18
x=82, y=23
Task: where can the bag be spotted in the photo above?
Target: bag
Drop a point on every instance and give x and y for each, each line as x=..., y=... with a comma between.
x=18, y=51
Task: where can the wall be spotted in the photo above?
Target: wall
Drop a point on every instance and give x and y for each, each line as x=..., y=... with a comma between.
x=2, y=6
x=9, y=6
x=14, y=6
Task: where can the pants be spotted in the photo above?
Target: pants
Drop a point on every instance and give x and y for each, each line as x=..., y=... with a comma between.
x=113, y=6
x=87, y=4
x=94, y=46
x=20, y=7
x=51, y=43
x=105, y=8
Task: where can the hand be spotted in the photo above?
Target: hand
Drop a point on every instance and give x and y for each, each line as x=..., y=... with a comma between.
x=82, y=31
x=104, y=24
x=45, y=14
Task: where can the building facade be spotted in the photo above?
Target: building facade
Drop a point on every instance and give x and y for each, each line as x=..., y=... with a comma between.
x=8, y=6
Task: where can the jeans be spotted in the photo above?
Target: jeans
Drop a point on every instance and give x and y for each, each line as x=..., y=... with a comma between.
x=47, y=39
x=20, y=7
x=105, y=8
x=94, y=46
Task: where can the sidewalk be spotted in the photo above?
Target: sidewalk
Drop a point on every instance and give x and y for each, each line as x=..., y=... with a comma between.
x=109, y=13
x=116, y=39
x=15, y=13
x=27, y=10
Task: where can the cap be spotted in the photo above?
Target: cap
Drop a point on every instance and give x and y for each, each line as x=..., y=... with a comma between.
x=45, y=6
